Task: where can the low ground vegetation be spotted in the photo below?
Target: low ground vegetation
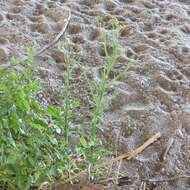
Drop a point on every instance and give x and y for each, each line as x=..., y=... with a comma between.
x=36, y=140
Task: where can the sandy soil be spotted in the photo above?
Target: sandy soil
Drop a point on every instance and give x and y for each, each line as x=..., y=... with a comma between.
x=154, y=95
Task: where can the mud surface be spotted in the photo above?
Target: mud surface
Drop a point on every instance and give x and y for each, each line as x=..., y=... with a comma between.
x=154, y=95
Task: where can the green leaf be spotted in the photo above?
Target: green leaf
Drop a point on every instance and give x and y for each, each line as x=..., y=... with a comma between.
x=10, y=168
x=2, y=72
x=2, y=86
x=53, y=140
x=32, y=86
x=23, y=181
x=83, y=142
x=14, y=61
x=53, y=112
x=14, y=120
x=40, y=122
x=21, y=100
x=37, y=107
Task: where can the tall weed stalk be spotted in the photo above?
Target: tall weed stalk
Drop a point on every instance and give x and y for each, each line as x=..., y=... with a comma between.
x=100, y=95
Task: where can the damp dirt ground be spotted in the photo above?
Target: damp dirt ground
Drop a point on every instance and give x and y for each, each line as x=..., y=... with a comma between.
x=154, y=96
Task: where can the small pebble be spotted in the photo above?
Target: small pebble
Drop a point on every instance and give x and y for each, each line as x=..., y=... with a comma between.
x=3, y=41
x=42, y=28
x=3, y=54
x=179, y=133
x=61, y=23
x=58, y=56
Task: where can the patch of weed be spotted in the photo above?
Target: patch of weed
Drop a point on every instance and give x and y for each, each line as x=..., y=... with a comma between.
x=36, y=141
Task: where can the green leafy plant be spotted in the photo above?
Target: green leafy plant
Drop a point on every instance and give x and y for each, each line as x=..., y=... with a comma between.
x=30, y=150
x=100, y=96
x=24, y=132
x=36, y=141
x=92, y=146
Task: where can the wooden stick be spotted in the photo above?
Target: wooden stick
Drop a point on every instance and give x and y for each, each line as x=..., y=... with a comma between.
x=143, y=186
x=169, y=144
x=57, y=37
x=127, y=156
x=142, y=147
x=166, y=179
x=40, y=51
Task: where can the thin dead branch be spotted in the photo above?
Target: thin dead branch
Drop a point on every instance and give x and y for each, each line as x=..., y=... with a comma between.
x=52, y=43
x=143, y=186
x=127, y=156
x=56, y=38
x=145, y=145
x=168, y=146
x=118, y=171
x=166, y=179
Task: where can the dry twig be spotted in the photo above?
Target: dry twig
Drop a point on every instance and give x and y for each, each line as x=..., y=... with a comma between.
x=143, y=186
x=166, y=179
x=39, y=52
x=57, y=37
x=169, y=144
x=118, y=171
x=142, y=147
x=127, y=156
